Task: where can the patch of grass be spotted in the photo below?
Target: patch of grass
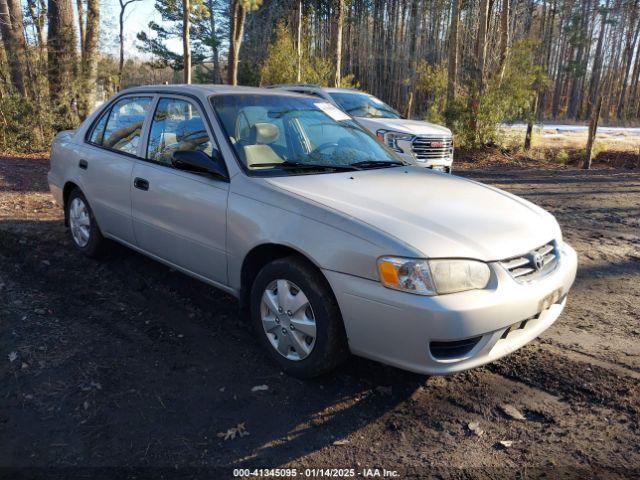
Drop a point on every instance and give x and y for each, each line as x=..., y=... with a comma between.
x=562, y=156
x=599, y=147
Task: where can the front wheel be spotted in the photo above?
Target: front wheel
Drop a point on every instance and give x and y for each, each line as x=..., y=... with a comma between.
x=297, y=318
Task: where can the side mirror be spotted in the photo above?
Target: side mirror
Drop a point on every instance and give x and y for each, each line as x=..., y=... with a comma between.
x=199, y=162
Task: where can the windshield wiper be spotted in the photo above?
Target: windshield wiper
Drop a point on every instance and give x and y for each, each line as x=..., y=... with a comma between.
x=307, y=166
x=378, y=163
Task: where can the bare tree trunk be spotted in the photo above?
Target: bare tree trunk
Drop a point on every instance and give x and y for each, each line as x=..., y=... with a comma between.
x=632, y=37
x=236, y=32
x=87, y=95
x=530, y=120
x=38, y=19
x=186, y=48
x=477, y=87
x=452, y=67
x=504, y=39
x=337, y=22
x=123, y=8
x=594, y=82
x=299, y=43
x=232, y=63
x=81, y=24
x=412, y=62
x=593, y=129
x=62, y=62
x=217, y=76
x=12, y=29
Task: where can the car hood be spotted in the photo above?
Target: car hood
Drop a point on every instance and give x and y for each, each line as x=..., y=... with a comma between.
x=439, y=215
x=402, y=125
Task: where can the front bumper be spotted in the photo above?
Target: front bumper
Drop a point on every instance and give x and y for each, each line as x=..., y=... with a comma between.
x=445, y=162
x=397, y=328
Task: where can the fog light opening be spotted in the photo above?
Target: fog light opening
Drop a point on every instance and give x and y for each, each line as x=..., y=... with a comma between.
x=457, y=349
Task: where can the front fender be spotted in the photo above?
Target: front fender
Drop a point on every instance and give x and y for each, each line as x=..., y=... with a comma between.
x=258, y=214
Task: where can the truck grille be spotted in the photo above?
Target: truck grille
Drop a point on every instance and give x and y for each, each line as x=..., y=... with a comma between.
x=534, y=264
x=432, y=147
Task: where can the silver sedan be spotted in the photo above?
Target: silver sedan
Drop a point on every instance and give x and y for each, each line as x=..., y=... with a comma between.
x=331, y=243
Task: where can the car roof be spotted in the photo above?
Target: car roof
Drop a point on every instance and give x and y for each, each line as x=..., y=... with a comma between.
x=344, y=90
x=310, y=86
x=205, y=89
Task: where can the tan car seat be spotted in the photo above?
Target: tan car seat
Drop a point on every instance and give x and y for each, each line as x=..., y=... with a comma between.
x=256, y=146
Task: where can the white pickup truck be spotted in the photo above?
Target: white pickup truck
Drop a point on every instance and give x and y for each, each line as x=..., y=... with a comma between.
x=419, y=143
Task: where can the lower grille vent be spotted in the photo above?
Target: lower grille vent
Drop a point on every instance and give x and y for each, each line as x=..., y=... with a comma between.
x=453, y=350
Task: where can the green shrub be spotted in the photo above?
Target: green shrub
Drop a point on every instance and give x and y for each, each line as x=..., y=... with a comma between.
x=598, y=147
x=281, y=63
x=503, y=99
x=432, y=81
x=25, y=126
x=562, y=157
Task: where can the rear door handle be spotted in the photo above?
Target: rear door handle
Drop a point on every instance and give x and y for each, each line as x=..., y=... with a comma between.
x=141, y=183
x=83, y=164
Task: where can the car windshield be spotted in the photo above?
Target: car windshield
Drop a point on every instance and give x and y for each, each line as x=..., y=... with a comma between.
x=294, y=135
x=363, y=105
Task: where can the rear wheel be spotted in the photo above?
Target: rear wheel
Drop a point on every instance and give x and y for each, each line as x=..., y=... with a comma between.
x=83, y=229
x=297, y=318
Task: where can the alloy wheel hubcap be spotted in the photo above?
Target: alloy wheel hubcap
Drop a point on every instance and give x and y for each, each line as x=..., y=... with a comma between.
x=79, y=222
x=288, y=319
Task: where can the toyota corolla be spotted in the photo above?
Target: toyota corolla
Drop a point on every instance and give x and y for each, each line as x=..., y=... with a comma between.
x=330, y=242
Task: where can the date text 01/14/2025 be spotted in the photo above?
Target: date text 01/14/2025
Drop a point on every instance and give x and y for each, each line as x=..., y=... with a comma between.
x=315, y=473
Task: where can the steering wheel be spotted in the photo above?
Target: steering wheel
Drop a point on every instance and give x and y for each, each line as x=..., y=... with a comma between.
x=324, y=146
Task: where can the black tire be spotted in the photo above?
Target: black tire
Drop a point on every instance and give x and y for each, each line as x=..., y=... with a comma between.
x=96, y=246
x=331, y=348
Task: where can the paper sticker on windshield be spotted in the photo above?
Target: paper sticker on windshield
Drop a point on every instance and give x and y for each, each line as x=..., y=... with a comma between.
x=335, y=113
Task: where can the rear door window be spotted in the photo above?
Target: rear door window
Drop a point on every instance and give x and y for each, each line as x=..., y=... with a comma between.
x=122, y=125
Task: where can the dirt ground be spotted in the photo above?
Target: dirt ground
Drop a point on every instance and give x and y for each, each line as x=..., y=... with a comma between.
x=123, y=368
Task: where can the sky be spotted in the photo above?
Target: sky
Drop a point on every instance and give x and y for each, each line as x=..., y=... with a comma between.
x=137, y=19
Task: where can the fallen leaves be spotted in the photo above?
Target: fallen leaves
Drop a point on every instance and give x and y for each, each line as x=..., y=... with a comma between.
x=512, y=412
x=237, y=431
x=474, y=427
x=13, y=356
x=260, y=388
x=506, y=443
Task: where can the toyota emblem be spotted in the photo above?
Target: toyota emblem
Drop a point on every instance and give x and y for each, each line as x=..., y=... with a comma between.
x=537, y=261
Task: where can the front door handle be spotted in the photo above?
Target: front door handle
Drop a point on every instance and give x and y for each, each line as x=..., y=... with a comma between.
x=83, y=164
x=141, y=183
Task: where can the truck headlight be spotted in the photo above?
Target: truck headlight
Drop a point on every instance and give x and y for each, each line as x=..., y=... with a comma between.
x=433, y=277
x=391, y=138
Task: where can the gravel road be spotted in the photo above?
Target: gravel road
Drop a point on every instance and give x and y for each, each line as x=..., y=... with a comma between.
x=127, y=369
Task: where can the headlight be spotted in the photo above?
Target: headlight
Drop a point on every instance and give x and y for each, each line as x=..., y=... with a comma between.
x=391, y=139
x=452, y=276
x=406, y=274
x=431, y=277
